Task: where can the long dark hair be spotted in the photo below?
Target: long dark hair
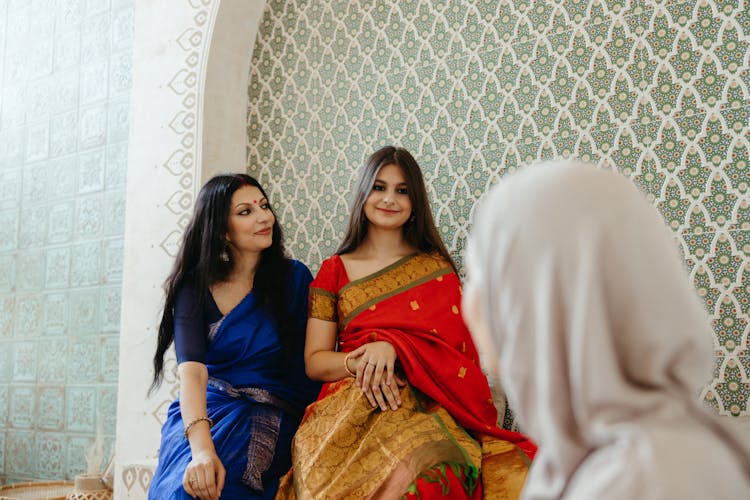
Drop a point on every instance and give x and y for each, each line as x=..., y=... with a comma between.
x=420, y=231
x=203, y=260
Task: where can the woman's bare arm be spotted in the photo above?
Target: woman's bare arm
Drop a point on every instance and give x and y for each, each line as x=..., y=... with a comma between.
x=205, y=469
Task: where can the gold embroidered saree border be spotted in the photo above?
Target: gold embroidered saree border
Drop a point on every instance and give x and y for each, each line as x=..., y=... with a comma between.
x=403, y=275
x=504, y=469
x=322, y=305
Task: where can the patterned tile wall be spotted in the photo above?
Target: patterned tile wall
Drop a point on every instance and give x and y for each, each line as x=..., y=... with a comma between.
x=65, y=78
x=659, y=90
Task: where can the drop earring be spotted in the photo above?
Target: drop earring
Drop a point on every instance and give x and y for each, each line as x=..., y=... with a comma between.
x=224, y=255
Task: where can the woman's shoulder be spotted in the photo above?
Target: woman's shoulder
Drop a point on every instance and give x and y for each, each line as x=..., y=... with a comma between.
x=331, y=274
x=299, y=271
x=188, y=285
x=298, y=266
x=334, y=259
x=332, y=264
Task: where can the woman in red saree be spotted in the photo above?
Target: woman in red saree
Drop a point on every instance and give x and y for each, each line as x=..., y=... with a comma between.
x=390, y=301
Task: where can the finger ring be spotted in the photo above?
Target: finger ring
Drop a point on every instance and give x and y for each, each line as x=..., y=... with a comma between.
x=191, y=480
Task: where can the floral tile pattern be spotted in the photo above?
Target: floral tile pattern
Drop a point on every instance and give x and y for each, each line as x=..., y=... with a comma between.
x=659, y=91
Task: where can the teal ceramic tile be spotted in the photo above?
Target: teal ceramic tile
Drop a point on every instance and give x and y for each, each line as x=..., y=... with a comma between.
x=504, y=17
x=9, y=230
x=487, y=97
x=3, y=406
x=707, y=248
x=31, y=270
x=7, y=313
x=50, y=456
x=709, y=396
x=19, y=452
x=24, y=356
x=85, y=350
x=661, y=31
x=28, y=316
x=614, y=57
x=80, y=409
x=76, y=447
x=680, y=13
x=736, y=111
x=702, y=277
x=84, y=311
x=477, y=29
x=106, y=400
x=731, y=387
x=109, y=307
x=6, y=360
x=50, y=408
x=730, y=325
x=109, y=358
x=718, y=265
x=693, y=193
x=728, y=254
x=741, y=289
x=53, y=355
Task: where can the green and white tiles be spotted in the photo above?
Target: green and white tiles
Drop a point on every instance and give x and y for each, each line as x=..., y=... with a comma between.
x=65, y=70
x=658, y=90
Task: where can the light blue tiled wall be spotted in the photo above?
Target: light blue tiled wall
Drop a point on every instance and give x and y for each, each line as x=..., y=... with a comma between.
x=65, y=69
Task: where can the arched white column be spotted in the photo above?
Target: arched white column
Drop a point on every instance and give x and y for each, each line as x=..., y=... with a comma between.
x=224, y=119
x=187, y=122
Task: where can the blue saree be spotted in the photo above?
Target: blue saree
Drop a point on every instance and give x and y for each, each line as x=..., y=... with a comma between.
x=255, y=403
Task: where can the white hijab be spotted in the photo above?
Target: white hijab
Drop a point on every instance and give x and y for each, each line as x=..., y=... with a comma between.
x=602, y=344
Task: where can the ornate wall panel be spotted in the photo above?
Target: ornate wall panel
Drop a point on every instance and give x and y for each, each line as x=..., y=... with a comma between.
x=189, y=93
x=163, y=176
x=65, y=85
x=659, y=90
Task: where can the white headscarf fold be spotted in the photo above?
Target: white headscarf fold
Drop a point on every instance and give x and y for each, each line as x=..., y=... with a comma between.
x=603, y=344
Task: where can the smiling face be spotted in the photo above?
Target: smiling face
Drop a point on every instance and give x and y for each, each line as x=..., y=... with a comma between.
x=250, y=224
x=388, y=206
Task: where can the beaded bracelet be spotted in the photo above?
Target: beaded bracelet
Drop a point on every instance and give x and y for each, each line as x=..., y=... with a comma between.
x=346, y=365
x=199, y=419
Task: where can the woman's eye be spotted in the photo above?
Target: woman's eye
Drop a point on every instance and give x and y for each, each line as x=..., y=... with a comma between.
x=402, y=191
x=244, y=212
x=378, y=188
x=265, y=206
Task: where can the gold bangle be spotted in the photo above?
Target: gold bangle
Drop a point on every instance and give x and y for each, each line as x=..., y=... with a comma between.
x=195, y=421
x=346, y=365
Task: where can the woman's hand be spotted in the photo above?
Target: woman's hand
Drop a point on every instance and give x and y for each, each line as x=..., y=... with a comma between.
x=204, y=476
x=376, y=376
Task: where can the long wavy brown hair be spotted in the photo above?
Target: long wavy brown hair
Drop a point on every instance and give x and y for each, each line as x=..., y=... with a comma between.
x=420, y=230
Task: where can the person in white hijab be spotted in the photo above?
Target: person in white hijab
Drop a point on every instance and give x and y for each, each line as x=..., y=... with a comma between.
x=576, y=292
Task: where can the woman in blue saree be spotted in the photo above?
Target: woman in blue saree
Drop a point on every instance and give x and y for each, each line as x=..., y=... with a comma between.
x=235, y=309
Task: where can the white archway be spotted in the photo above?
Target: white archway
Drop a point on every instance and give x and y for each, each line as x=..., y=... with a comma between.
x=187, y=122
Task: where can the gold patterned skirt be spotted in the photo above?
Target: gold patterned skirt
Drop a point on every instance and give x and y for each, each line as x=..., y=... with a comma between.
x=344, y=448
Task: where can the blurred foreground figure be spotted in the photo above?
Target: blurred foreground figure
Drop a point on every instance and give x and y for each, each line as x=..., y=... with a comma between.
x=577, y=295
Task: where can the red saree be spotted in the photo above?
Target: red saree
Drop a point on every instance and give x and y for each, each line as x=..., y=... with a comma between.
x=415, y=305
